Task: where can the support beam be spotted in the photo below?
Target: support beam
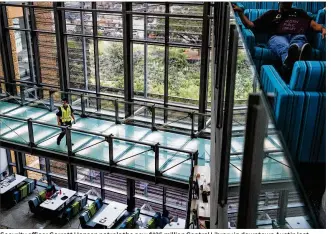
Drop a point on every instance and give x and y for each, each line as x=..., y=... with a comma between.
x=128, y=57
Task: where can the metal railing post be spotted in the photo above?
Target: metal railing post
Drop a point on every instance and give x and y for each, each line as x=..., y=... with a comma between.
x=192, y=125
x=30, y=130
x=251, y=177
x=69, y=142
x=111, y=149
x=116, y=112
x=22, y=93
x=195, y=158
x=51, y=100
x=82, y=103
x=157, y=160
x=153, y=118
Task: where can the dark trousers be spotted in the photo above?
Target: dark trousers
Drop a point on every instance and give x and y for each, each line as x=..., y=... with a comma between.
x=63, y=130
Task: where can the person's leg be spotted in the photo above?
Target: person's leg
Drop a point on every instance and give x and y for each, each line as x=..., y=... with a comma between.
x=59, y=138
x=279, y=45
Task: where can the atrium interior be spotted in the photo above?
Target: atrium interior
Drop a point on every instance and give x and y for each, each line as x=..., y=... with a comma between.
x=176, y=121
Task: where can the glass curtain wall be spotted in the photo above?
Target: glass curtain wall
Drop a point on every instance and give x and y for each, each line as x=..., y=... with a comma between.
x=166, y=54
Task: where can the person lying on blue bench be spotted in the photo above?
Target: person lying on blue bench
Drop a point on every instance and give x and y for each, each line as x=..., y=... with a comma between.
x=287, y=27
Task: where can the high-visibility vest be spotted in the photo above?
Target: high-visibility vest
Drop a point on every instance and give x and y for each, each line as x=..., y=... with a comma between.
x=66, y=114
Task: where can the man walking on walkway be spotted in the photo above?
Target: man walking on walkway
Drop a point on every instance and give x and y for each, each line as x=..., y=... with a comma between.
x=65, y=117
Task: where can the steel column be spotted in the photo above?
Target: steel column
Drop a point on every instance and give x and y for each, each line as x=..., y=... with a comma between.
x=102, y=184
x=72, y=176
x=130, y=183
x=62, y=46
x=19, y=163
x=28, y=33
x=48, y=170
x=228, y=117
x=251, y=177
x=128, y=57
x=6, y=52
x=221, y=66
x=96, y=54
x=166, y=62
x=204, y=69
x=164, y=200
x=282, y=211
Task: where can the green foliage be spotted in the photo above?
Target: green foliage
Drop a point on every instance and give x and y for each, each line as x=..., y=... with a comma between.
x=183, y=74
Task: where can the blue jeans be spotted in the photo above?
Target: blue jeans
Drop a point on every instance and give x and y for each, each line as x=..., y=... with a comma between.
x=279, y=44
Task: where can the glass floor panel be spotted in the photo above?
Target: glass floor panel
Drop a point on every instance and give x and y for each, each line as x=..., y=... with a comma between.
x=167, y=139
x=270, y=143
x=146, y=162
x=272, y=170
x=78, y=139
x=26, y=112
x=7, y=125
x=96, y=125
x=100, y=151
x=128, y=132
x=40, y=132
x=7, y=106
x=200, y=144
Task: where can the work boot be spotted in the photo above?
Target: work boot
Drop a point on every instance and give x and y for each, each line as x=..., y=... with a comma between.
x=306, y=52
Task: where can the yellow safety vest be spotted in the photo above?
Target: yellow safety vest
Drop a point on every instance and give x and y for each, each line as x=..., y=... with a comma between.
x=66, y=114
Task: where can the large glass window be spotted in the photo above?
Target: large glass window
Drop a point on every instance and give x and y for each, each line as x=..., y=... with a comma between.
x=35, y=162
x=184, y=75
x=48, y=59
x=111, y=66
x=20, y=39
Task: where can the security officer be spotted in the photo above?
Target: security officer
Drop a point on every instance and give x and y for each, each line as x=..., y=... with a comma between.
x=65, y=117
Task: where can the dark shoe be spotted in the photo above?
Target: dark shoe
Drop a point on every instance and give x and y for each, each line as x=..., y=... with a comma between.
x=57, y=142
x=306, y=52
x=292, y=56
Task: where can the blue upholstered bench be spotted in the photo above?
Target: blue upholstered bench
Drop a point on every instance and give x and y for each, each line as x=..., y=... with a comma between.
x=299, y=108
